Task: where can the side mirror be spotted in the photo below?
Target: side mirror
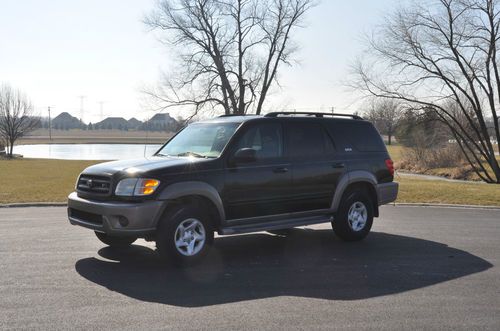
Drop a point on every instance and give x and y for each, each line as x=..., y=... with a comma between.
x=245, y=155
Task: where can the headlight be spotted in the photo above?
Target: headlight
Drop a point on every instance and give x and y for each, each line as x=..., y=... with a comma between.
x=146, y=186
x=136, y=187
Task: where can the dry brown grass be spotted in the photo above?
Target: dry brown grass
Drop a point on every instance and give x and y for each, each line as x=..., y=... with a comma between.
x=395, y=151
x=439, y=163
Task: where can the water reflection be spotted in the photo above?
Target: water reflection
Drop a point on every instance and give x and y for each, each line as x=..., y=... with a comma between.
x=86, y=151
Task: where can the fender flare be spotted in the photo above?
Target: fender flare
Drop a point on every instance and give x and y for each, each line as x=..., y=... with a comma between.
x=192, y=188
x=349, y=178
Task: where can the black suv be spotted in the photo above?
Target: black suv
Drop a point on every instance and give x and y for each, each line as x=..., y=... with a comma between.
x=240, y=174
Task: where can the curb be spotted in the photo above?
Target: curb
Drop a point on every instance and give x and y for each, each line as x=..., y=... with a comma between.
x=34, y=204
x=400, y=204
x=437, y=178
x=442, y=205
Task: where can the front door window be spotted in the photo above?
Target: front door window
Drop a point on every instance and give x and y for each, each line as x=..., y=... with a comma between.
x=265, y=139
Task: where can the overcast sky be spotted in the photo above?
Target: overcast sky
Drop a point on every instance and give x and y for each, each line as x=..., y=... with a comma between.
x=59, y=50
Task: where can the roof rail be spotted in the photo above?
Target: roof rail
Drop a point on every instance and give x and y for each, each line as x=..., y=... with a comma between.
x=231, y=115
x=278, y=113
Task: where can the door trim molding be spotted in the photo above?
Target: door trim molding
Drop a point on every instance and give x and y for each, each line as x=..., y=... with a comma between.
x=277, y=217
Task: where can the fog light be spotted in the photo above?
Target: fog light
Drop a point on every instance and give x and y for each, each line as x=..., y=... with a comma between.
x=123, y=221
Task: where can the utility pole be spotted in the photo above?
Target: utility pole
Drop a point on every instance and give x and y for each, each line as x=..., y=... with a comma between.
x=82, y=98
x=101, y=109
x=333, y=110
x=50, y=126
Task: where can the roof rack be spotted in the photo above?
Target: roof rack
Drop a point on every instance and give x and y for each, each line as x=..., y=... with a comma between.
x=278, y=113
x=231, y=115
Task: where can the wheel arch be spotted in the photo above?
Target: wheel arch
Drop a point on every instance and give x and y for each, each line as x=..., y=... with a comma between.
x=356, y=179
x=199, y=192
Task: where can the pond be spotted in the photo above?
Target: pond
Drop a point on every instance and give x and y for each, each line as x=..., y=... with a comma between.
x=86, y=151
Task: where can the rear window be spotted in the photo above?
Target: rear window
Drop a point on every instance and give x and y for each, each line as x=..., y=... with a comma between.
x=360, y=135
x=308, y=140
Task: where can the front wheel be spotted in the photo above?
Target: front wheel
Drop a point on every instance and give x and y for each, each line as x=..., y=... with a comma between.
x=185, y=235
x=355, y=216
x=112, y=241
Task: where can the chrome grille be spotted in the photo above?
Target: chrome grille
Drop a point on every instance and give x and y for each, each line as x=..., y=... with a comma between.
x=94, y=184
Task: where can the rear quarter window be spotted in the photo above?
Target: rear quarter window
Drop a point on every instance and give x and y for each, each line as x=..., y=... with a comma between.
x=360, y=135
x=307, y=140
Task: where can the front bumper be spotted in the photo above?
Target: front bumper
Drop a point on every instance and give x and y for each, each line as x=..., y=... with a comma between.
x=114, y=218
x=387, y=192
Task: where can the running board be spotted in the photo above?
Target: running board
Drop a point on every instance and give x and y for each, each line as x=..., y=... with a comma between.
x=275, y=225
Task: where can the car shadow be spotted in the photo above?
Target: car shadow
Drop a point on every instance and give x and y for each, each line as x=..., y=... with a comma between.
x=307, y=263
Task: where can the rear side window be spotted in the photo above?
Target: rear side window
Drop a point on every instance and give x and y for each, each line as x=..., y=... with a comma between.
x=358, y=134
x=308, y=140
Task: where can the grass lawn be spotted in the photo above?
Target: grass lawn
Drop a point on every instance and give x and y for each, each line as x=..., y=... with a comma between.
x=436, y=191
x=32, y=180
x=37, y=180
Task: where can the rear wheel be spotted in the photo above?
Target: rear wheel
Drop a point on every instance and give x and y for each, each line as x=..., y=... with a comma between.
x=185, y=235
x=115, y=241
x=354, y=218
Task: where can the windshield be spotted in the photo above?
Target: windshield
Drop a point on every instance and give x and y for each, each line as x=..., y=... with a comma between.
x=200, y=140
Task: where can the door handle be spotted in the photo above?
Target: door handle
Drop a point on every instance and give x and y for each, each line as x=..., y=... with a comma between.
x=280, y=170
x=338, y=165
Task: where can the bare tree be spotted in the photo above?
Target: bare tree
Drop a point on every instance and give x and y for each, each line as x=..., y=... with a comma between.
x=441, y=55
x=229, y=51
x=385, y=115
x=16, y=116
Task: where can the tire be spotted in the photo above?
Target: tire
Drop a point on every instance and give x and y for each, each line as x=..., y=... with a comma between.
x=357, y=225
x=185, y=235
x=119, y=242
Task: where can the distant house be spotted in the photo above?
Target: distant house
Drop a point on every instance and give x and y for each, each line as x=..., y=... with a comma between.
x=64, y=121
x=162, y=122
x=134, y=123
x=118, y=123
x=112, y=123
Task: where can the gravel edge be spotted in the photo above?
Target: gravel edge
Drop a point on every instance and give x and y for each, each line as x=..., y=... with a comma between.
x=443, y=205
x=34, y=204
x=409, y=204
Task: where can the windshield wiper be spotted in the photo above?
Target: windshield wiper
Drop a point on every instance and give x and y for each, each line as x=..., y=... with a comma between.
x=192, y=154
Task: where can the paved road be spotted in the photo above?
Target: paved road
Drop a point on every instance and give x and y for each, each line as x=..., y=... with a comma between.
x=425, y=268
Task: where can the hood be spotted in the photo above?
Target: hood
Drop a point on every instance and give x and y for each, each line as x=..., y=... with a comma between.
x=140, y=166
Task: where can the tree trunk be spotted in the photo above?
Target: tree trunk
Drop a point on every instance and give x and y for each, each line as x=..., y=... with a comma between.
x=389, y=138
x=11, y=149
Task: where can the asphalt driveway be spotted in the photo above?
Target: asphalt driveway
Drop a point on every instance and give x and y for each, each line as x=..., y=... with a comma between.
x=421, y=267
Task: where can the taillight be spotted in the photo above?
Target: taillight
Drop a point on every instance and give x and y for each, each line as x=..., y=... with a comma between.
x=390, y=166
